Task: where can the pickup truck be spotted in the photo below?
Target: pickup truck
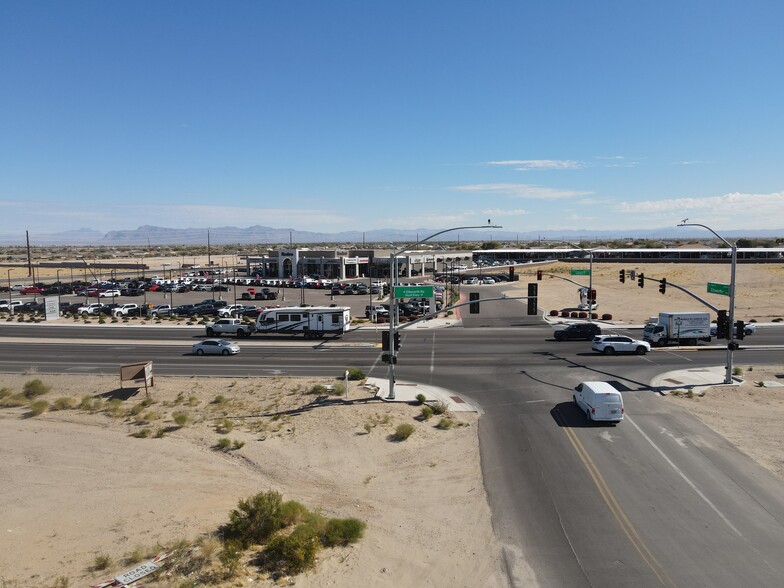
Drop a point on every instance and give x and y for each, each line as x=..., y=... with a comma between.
x=229, y=326
x=230, y=310
x=161, y=310
x=124, y=309
x=90, y=309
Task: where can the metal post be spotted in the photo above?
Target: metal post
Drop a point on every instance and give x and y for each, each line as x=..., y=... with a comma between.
x=59, y=286
x=392, y=324
x=731, y=315
x=10, y=308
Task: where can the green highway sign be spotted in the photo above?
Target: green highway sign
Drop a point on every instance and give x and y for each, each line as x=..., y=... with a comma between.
x=413, y=291
x=714, y=288
x=580, y=272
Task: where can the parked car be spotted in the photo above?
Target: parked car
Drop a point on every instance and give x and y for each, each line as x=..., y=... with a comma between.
x=215, y=347
x=609, y=344
x=161, y=310
x=30, y=290
x=109, y=294
x=574, y=331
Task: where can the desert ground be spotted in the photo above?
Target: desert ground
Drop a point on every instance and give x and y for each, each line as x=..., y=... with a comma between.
x=82, y=482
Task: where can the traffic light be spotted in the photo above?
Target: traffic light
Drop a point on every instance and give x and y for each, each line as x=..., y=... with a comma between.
x=722, y=328
x=533, y=292
x=592, y=296
x=641, y=280
x=663, y=285
x=622, y=276
x=385, y=340
x=539, y=275
x=740, y=329
x=473, y=308
x=397, y=341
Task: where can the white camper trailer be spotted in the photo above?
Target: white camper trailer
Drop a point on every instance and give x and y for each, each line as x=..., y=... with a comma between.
x=312, y=321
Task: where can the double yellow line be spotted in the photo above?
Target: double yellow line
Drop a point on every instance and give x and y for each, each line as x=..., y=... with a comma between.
x=615, y=508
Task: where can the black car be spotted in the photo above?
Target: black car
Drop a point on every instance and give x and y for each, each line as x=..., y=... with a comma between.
x=185, y=310
x=585, y=331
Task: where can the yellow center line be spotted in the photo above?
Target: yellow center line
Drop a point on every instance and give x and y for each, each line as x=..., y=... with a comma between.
x=612, y=504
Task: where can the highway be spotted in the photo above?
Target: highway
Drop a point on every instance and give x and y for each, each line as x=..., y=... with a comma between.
x=659, y=500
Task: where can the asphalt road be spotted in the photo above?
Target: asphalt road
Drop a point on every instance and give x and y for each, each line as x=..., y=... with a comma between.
x=659, y=500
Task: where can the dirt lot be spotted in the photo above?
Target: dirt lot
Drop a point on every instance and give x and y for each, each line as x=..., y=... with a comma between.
x=78, y=483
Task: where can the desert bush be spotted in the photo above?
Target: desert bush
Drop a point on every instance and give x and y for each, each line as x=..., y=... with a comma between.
x=445, y=423
x=136, y=409
x=354, y=373
x=736, y=371
x=342, y=532
x=115, y=407
x=420, y=398
x=292, y=554
x=427, y=412
x=255, y=519
x=64, y=403
x=440, y=407
x=224, y=444
x=224, y=426
x=13, y=400
x=101, y=562
x=237, y=444
x=219, y=399
x=180, y=418
x=35, y=388
x=231, y=559
x=160, y=433
x=403, y=431
x=318, y=389
x=143, y=433
x=4, y=392
x=338, y=389
x=38, y=407
x=292, y=513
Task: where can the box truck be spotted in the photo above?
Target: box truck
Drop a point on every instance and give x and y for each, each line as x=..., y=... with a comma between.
x=682, y=328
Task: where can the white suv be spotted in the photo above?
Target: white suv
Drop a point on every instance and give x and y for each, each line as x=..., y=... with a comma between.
x=609, y=344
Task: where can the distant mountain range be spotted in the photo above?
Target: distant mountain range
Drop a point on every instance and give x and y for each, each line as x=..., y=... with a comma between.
x=152, y=235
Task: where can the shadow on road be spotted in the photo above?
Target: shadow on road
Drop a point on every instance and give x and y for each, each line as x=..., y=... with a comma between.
x=568, y=414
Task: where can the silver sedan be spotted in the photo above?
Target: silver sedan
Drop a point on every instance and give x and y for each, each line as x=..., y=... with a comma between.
x=215, y=347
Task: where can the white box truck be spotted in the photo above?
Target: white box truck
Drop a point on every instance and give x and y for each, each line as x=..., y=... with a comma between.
x=312, y=321
x=683, y=328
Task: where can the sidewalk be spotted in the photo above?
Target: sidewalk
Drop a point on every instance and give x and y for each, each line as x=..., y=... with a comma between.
x=692, y=379
x=407, y=392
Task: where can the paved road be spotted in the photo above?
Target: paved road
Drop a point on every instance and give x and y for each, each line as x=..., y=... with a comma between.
x=659, y=500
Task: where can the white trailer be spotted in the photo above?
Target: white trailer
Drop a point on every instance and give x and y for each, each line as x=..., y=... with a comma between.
x=312, y=321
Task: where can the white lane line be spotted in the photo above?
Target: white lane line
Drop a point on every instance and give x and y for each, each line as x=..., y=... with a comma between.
x=687, y=480
x=433, y=356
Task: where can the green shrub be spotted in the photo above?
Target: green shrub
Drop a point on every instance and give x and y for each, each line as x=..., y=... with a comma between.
x=160, y=433
x=736, y=371
x=224, y=444
x=230, y=558
x=5, y=392
x=427, y=412
x=292, y=554
x=354, y=373
x=224, y=426
x=35, y=388
x=115, y=407
x=64, y=403
x=101, y=562
x=292, y=513
x=180, y=418
x=339, y=389
x=38, y=407
x=420, y=398
x=255, y=519
x=14, y=400
x=237, y=444
x=403, y=432
x=219, y=399
x=440, y=407
x=136, y=409
x=445, y=423
x=318, y=389
x=342, y=532
x=143, y=433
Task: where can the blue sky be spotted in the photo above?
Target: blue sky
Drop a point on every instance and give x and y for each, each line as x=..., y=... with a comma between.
x=342, y=115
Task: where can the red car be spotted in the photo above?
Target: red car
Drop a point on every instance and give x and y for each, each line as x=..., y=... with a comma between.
x=30, y=290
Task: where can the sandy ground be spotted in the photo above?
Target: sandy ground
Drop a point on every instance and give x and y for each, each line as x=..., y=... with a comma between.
x=75, y=483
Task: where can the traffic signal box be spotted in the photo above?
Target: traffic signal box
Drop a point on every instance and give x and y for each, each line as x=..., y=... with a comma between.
x=539, y=275
x=722, y=326
x=641, y=280
x=473, y=307
x=533, y=292
x=622, y=276
x=663, y=285
x=740, y=329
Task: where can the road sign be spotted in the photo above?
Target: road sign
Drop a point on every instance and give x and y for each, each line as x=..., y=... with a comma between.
x=580, y=272
x=413, y=291
x=714, y=288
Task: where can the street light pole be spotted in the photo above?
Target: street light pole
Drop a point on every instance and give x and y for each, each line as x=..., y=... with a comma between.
x=10, y=308
x=59, y=288
x=734, y=248
x=393, y=317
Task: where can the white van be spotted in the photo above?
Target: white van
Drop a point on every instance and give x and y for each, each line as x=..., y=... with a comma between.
x=600, y=401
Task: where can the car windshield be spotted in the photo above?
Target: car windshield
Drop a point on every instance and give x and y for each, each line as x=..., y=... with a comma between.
x=223, y=343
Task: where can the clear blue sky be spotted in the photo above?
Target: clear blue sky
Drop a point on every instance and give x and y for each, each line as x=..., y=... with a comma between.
x=338, y=115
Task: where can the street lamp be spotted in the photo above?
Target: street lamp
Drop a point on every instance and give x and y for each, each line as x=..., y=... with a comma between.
x=59, y=289
x=10, y=308
x=393, y=317
x=734, y=248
